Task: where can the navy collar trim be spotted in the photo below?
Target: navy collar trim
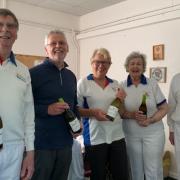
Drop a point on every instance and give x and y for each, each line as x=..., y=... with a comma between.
x=12, y=58
x=143, y=80
x=47, y=60
x=90, y=77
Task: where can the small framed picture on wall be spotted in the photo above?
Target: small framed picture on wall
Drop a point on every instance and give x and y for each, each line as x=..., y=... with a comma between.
x=158, y=52
x=158, y=73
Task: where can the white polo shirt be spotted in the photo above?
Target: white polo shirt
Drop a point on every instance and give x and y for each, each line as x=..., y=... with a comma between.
x=16, y=103
x=174, y=102
x=133, y=100
x=91, y=95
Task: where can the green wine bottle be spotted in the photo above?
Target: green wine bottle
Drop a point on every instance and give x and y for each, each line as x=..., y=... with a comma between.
x=71, y=119
x=115, y=106
x=1, y=131
x=143, y=106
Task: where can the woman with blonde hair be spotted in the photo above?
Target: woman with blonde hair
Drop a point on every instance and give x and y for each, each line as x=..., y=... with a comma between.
x=103, y=139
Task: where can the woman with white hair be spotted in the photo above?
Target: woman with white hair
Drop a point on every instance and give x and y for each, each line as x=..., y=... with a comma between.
x=144, y=134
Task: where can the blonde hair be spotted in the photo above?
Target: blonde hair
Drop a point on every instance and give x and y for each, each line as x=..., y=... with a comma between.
x=134, y=55
x=103, y=52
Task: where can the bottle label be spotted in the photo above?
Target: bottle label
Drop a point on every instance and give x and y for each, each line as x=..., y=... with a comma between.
x=75, y=125
x=112, y=111
x=1, y=141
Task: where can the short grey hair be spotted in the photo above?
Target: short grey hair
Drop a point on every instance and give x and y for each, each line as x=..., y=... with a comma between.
x=133, y=55
x=53, y=32
x=7, y=12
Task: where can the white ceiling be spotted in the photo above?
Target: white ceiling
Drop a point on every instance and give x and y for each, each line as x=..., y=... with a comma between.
x=74, y=7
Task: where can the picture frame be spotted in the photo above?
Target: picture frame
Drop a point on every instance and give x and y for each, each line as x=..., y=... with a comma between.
x=30, y=60
x=159, y=74
x=158, y=52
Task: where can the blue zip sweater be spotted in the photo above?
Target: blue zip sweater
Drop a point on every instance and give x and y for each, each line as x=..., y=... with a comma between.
x=48, y=85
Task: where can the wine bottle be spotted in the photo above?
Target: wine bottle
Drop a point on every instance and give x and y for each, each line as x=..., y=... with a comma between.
x=143, y=106
x=115, y=106
x=1, y=131
x=71, y=119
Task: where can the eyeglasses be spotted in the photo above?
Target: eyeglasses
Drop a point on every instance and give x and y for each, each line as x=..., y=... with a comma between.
x=55, y=43
x=104, y=63
x=10, y=26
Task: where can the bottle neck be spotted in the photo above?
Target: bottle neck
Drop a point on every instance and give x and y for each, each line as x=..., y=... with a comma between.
x=144, y=99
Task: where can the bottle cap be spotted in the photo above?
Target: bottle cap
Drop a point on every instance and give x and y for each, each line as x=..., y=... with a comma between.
x=61, y=100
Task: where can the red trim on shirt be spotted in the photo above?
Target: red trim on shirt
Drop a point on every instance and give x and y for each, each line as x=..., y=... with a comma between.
x=106, y=83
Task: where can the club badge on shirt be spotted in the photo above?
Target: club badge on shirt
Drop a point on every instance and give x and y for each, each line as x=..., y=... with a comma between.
x=19, y=76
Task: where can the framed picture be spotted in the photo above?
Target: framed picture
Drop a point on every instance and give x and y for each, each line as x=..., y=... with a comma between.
x=158, y=73
x=158, y=52
x=30, y=60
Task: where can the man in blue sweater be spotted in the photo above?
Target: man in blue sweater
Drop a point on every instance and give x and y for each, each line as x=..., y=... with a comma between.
x=51, y=80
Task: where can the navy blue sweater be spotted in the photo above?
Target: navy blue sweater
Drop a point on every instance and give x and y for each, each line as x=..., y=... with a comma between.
x=48, y=85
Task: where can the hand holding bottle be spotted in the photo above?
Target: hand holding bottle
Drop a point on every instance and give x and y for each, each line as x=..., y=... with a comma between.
x=99, y=114
x=121, y=94
x=71, y=119
x=142, y=119
x=57, y=108
x=117, y=105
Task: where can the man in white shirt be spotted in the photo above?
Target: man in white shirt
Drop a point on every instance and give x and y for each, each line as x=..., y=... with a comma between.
x=173, y=117
x=16, y=106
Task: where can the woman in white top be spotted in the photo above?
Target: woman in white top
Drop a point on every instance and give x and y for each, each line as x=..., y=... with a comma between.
x=103, y=139
x=173, y=117
x=144, y=135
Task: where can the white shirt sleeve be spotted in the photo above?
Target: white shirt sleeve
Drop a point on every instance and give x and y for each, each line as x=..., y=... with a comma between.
x=172, y=105
x=158, y=95
x=80, y=91
x=29, y=118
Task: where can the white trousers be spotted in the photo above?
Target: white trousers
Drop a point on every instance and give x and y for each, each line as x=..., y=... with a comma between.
x=10, y=161
x=76, y=171
x=177, y=146
x=145, y=155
